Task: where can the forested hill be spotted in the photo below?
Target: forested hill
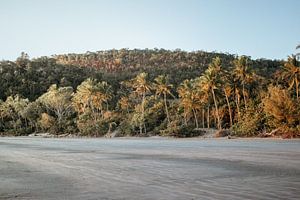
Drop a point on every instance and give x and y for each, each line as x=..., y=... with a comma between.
x=125, y=59
x=32, y=77
x=149, y=92
x=136, y=59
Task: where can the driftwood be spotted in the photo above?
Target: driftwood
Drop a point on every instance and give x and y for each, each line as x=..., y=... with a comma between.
x=231, y=137
x=270, y=134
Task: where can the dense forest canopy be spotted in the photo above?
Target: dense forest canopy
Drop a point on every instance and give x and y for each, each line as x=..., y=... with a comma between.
x=148, y=92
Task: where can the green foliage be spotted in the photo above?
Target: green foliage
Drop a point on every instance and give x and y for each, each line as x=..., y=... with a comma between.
x=13, y=118
x=252, y=121
x=291, y=74
x=174, y=129
x=89, y=126
x=147, y=92
x=282, y=109
x=57, y=102
x=46, y=122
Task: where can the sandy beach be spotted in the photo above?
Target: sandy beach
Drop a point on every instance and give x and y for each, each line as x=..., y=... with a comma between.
x=149, y=168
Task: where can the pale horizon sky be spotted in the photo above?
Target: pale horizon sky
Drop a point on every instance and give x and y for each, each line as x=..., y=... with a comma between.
x=257, y=28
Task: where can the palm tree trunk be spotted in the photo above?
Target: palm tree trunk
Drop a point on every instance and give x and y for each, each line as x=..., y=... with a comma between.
x=203, y=116
x=237, y=102
x=166, y=107
x=215, y=118
x=143, y=113
x=196, y=120
x=217, y=110
x=229, y=109
x=145, y=128
x=185, y=118
x=141, y=129
x=208, y=117
x=297, y=88
x=244, y=96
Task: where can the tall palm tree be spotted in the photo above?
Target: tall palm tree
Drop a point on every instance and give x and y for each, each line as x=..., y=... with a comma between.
x=291, y=73
x=92, y=95
x=227, y=91
x=202, y=98
x=237, y=101
x=189, y=100
x=141, y=87
x=163, y=87
x=210, y=81
x=242, y=74
x=104, y=91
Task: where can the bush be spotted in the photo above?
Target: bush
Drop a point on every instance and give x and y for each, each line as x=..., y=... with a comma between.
x=283, y=111
x=46, y=121
x=181, y=131
x=223, y=133
x=251, y=123
x=92, y=127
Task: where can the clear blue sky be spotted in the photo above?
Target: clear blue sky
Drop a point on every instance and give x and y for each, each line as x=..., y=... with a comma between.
x=259, y=28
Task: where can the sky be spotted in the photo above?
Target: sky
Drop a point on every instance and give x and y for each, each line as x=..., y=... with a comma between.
x=257, y=28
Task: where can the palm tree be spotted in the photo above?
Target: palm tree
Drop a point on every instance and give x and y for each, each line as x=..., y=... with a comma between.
x=163, y=87
x=227, y=91
x=92, y=95
x=242, y=74
x=189, y=100
x=291, y=73
x=103, y=91
x=210, y=81
x=124, y=103
x=237, y=101
x=141, y=88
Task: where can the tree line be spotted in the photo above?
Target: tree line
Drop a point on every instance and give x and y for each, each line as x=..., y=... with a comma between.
x=169, y=93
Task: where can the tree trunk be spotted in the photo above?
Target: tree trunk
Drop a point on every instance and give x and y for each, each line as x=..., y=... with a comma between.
x=145, y=128
x=215, y=119
x=208, y=117
x=297, y=88
x=237, y=102
x=106, y=106
x=229, y=108
x=203, y=118
x=244, y=96
x=143, y=112
x=195, y=116
x=185, y=117
x=141, y=129
x=217, y=110
x=166, y=107
x=59, y=119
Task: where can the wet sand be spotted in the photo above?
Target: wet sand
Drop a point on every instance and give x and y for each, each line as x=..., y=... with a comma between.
x=40, y=168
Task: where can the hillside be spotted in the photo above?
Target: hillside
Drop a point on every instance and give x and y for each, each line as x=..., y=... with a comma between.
x=31, y=78
x=137, y=59
x=148, y=92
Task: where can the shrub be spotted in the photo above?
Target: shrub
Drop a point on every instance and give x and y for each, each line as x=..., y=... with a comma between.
x=251, y=123
x=176, y=130
x=282, y=110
